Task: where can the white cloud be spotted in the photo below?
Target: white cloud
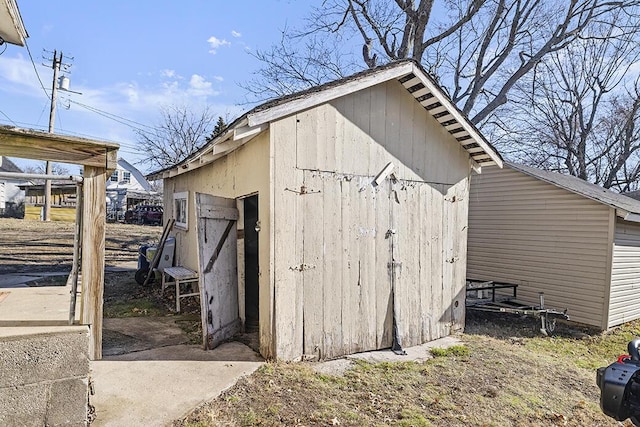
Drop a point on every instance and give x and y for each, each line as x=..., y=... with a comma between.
x=18, y=76
x=215, y=43
x=199, y=86
x=218, y=78
x=236, y=34
x=168, y=73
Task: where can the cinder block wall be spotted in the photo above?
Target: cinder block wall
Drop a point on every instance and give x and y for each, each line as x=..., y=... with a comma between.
x=44, y=378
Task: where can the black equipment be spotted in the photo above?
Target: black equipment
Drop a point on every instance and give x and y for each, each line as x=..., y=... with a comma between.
x=619, y=385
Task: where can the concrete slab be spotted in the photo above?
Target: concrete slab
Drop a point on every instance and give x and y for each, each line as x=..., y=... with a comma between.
x=134, y=334
x=419, y=353
x=37, y=306
x=157, y=392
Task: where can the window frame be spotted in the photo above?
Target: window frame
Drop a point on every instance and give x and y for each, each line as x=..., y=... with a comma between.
x=181, y=197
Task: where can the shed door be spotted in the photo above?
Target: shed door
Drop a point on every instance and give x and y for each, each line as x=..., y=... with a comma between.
x=217, y=242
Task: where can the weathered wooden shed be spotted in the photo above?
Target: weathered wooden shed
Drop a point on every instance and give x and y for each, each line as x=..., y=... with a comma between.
x=331, y=217
x=547, y=232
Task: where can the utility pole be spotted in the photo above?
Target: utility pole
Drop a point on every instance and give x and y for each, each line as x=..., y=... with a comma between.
x=57, y=62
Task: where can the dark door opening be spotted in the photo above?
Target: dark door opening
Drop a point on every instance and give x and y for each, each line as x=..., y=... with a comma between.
x=251, y=267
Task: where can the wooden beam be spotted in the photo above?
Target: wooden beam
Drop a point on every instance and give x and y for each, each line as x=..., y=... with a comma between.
x=30, y=144
x=93, y=243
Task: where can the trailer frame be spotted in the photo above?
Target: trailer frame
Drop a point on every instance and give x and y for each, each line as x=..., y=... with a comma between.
x=501, y=302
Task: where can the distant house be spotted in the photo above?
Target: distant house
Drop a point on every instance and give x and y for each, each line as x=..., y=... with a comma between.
x=547, y=232
x=126, y=188
x=334, y=220
x=11, y=195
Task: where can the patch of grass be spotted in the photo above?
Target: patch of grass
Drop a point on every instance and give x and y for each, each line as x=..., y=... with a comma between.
x=134, y=308
x=587, y=351
x=191, y=324
x=409, y=418
x=455, y=350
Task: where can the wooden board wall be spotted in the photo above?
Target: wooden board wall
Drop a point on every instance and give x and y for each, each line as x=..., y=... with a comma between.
x=332, y=228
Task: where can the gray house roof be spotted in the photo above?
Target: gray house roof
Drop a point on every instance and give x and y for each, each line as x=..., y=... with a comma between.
x=627, y=208
x=408, y=72
x=6, y=165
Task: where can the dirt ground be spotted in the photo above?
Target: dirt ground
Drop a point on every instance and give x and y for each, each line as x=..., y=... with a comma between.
x=34, y=246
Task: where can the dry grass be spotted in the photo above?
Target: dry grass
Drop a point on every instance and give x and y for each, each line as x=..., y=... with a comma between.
x=34, y=246
x=509, y=376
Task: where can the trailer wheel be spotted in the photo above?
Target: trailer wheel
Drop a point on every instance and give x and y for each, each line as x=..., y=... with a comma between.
x=548, y=324
x=141, y=276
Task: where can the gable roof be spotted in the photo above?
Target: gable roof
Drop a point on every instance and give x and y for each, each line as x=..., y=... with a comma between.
x=408, y=72
x=6, y=165
x=626, y=207
x=139, y=177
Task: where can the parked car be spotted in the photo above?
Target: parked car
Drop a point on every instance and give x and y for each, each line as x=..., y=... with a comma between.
x=144, y=214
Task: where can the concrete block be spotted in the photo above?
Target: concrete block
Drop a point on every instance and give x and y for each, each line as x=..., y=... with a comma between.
x=68, y=403
x=24, y=406
x=33, y=359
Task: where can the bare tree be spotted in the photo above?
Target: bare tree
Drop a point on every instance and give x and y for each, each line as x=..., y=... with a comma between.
x=180, y=133
x=56, y=169
x=575, y=114
x=477, y=49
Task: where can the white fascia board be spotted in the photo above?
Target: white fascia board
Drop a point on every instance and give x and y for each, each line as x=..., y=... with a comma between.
x=247, y=132
x=311, y=100
x=453, y=110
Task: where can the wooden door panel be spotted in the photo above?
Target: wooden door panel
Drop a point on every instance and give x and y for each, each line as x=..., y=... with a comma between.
x=217, y=247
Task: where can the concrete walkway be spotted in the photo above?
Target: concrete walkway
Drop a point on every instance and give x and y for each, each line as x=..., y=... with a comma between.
x=156, y=387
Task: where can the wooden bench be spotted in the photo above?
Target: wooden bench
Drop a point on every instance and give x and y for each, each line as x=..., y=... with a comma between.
x=180, y=276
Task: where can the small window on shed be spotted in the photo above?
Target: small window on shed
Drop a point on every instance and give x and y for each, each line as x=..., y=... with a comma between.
x=180, y=209
x=126, y=177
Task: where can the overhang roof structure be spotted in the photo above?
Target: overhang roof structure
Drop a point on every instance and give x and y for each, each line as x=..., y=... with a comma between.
x=37, y=145
x=12, y=28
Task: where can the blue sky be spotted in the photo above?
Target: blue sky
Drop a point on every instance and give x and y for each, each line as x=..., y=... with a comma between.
x=131, y=57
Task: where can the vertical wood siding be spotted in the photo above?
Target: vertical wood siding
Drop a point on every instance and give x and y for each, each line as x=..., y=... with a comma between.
x=625, y=274
x=334, y=230
x=543, y=238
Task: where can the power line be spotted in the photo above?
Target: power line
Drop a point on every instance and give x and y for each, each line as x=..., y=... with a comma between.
x=114, y=117
x=8, y=118
x=36, y=70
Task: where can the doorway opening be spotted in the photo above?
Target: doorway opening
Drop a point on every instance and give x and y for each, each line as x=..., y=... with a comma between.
x=251, y=266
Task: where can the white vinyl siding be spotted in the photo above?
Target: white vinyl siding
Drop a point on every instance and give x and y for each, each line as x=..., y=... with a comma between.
x=543, y=238
x=624, y=303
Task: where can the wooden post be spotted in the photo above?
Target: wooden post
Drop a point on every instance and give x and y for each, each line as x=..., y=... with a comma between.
x=93, y=243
